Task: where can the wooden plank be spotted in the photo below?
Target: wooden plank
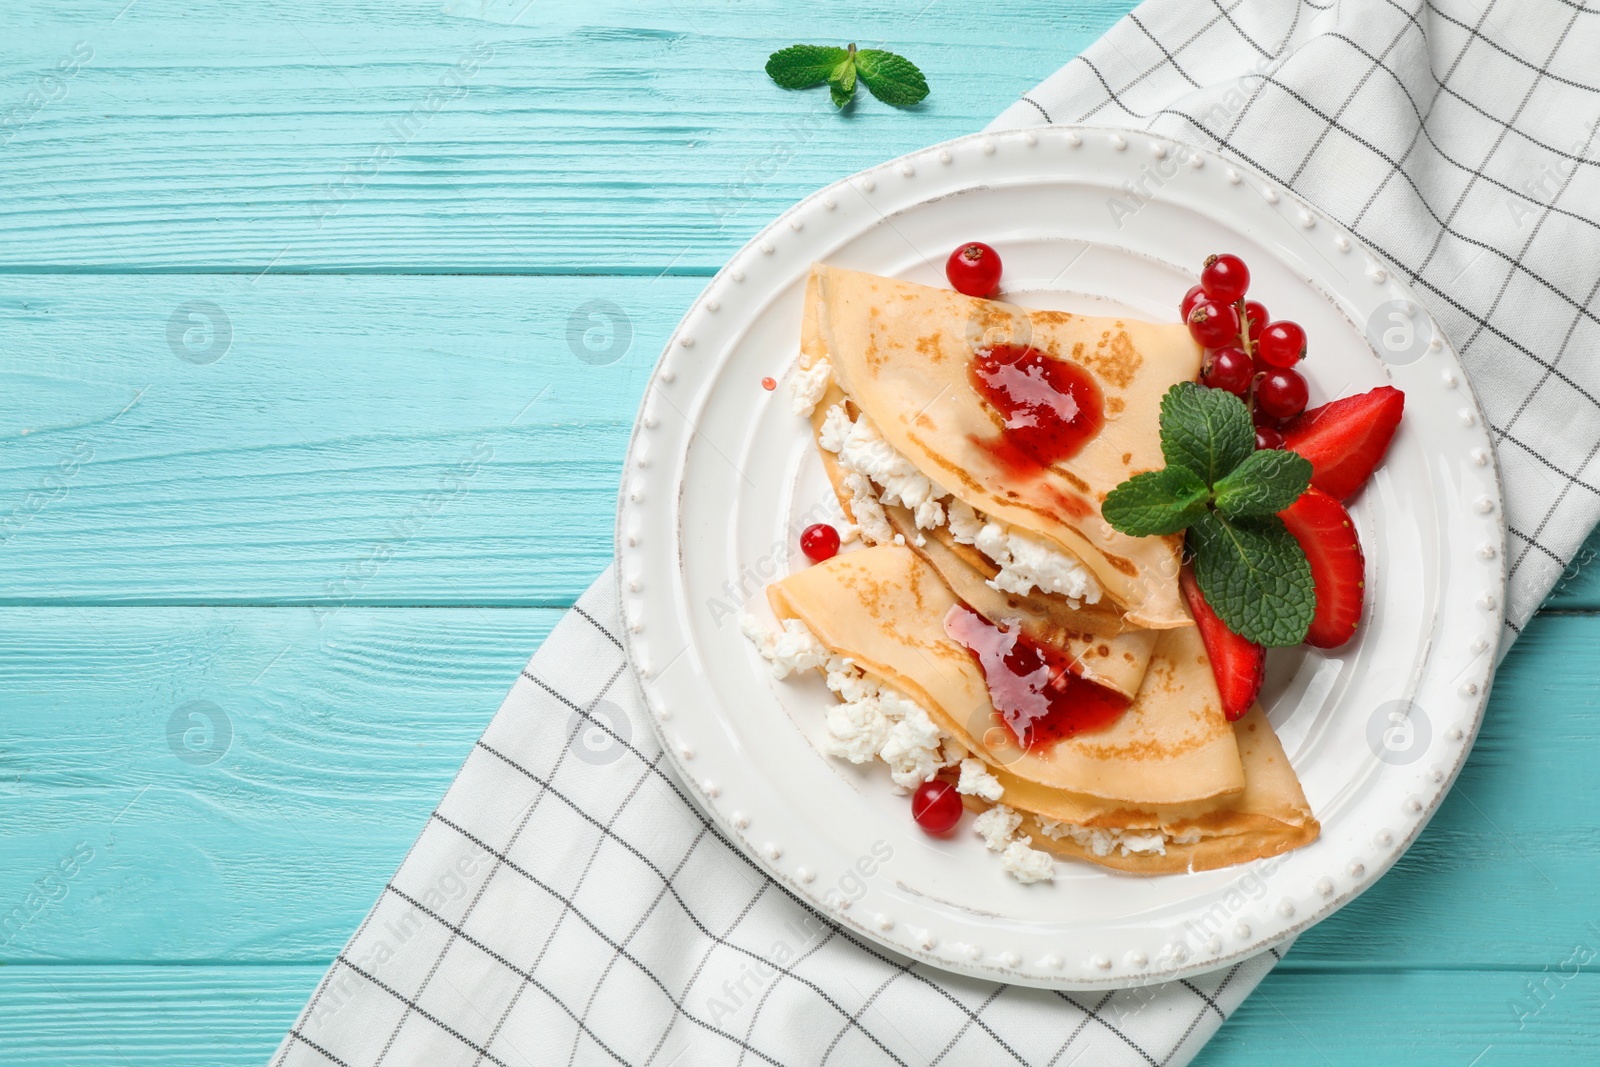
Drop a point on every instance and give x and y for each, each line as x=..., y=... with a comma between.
x=130, y=1016
x=364, y=440
x=1414, y=1018
x=201, y=783
x=345, y=736
x=621, y=135
x=234, y=1016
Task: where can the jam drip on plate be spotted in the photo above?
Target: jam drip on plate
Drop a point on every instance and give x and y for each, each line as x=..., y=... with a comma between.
x=1051, y=407
x=1034, y=689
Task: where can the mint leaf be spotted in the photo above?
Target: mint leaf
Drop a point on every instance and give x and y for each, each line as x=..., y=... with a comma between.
x=842, y=82
x=1206, y=430
x=1264, y=484
x=1255, y=576
x=1156, y=502
x=893, y=79
x=803, y=65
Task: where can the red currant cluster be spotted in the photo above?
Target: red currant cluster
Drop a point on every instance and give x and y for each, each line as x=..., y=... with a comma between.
x=1247, y=354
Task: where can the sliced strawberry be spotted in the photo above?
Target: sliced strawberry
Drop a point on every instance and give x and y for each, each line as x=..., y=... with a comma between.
x=1346, y=439
x=1238, y=664
x=1323, y=527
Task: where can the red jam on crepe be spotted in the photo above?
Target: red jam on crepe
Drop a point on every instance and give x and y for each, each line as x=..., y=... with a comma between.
x=1033, y=688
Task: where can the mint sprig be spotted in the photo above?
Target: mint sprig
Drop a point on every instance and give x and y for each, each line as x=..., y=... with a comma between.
x=1157, y=502
x=1264, y=484
x=891, y=78
x=1255, y=576
x=1251, y=570
x=1206, y=430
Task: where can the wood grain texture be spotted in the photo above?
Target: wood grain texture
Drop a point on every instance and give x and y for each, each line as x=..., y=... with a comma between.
x=233, y=1016
x=364, y=440
x=605, y=137
x=235, y=784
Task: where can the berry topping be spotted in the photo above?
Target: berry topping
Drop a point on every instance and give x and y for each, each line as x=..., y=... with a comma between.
x=1281, y=393
x=1213, y=323
x=1283, y=344
x=1051, y=407
x=936, y=806
x=1228, y=369
x=1267, y=437
x=1323, y=527
x=1190, y=299
x=1225, y=278
x=973, y=269
x=1255, y=313
x=1345, y=440
x=819, y=542
x=1032, y=687
x=1239, y=665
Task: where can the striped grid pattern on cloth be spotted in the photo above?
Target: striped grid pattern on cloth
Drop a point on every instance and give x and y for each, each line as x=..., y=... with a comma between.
x=1458, y=140
x=569, y=904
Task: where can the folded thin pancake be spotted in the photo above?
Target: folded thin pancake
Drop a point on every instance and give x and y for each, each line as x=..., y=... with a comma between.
x=1095, y=639
x=1270, y=817
x=884, y=608
x=902, y=353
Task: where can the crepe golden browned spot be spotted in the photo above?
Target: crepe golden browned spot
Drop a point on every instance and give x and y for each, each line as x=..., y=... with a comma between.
x=1095, y=638
x=885, y=608
x=902, y=353
x=1270, y=817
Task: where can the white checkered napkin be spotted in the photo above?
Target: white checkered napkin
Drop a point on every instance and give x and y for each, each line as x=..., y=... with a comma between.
x=568, y=904
x=1458, y=139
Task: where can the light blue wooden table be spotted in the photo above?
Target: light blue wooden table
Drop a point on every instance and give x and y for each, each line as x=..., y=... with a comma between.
x=270, y=273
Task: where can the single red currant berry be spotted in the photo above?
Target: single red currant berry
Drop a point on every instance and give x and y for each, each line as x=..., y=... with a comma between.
x=1255, y=313
x=1267, y=437
x=1225, y=278
x=1214, y=324
x=769, y=384
x=973, y=269
x=1283, y=343
x=1282, y=393
x=1190, y=299
x=936, y=806
x=819, y=542
x=1228, y=369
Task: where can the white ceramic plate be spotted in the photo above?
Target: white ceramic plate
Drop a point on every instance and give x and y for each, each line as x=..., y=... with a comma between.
x=721, y=477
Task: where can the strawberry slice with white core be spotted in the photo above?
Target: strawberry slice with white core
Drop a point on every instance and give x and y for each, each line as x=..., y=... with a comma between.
x=1239, y=665
x=1346, y=440
x=1323, y=527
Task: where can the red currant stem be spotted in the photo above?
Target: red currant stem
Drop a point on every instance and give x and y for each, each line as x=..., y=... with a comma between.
x=1250, y=352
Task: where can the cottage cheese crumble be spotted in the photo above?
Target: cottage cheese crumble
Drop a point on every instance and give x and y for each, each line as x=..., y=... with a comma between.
x=998, y=828
x=794, y=648
x=1025, y=562
x=807, y=387
x=1027, y=865
x=1028, y=563
x=1103, y=842
x=863, y=451
x=977, y=781
x=871, y=719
